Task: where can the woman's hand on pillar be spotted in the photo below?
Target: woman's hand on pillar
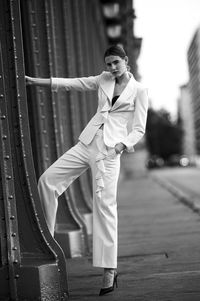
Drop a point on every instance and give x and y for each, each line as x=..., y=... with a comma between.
x=43, y=82
x=29, y=80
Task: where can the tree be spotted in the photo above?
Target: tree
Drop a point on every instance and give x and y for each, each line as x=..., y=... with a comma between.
x=163, y=137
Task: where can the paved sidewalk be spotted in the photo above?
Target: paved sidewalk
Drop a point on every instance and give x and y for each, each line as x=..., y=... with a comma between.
x=184, y=183
x=159, y=246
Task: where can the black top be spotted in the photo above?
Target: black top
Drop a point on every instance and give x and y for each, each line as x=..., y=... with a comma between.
x=114, y=99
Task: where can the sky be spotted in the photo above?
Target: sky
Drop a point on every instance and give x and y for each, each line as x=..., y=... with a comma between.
x=167, y=28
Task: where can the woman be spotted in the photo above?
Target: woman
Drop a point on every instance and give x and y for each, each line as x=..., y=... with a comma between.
x=118, y=125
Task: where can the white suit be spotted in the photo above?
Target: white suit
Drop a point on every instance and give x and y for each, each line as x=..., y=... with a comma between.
x=124, y=122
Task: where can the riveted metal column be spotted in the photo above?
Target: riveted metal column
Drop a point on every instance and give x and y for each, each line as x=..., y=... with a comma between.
x=37, y=64
x=70, y=238
x=28, y=252
x=79, y=110
x=10, y=249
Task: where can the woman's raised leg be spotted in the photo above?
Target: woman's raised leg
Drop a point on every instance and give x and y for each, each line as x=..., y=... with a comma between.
x=57, y=178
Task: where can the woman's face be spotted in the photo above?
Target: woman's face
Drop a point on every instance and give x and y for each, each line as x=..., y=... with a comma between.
x=116, y=65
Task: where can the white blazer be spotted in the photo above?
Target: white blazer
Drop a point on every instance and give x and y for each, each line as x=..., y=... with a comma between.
x=125, y=121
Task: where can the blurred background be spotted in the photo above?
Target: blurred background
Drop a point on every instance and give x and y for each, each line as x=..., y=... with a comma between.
x=169, y=67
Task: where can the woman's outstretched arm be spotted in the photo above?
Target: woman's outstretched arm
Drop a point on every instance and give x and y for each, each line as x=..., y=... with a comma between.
x=78, y=84
x=34, y=81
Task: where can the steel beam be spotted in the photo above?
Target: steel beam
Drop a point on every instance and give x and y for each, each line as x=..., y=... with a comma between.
x=50, y=113
x=29, y=255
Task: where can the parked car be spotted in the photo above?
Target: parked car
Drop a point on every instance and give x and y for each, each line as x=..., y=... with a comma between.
x=174, y=160
x=155, y=162
x=178, y=160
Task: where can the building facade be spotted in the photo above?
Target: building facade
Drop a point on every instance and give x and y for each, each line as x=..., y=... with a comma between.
x=186, y=118
x=119, y=18
x=194, y=84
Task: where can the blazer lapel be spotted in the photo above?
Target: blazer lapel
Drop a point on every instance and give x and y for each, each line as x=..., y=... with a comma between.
x=129, y=90
x=107, y=84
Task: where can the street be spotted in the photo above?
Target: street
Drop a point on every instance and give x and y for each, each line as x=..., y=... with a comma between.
x=159, y=239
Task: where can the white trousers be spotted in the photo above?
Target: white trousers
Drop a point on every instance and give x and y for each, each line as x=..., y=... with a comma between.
x=105, y=166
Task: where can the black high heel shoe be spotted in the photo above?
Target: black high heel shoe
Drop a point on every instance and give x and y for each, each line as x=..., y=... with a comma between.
x=107, y=290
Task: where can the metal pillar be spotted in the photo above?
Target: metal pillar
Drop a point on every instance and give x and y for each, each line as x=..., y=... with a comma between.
x=32, y=265
x=63, y=38
x=45, y=56
x=55, y=45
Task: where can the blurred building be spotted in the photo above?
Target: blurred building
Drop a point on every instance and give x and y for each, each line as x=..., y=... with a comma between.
x=186, y=118
x=194, y=84
x=119, y=18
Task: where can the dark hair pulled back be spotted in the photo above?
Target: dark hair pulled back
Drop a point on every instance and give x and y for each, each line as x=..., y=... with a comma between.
x=115, y=50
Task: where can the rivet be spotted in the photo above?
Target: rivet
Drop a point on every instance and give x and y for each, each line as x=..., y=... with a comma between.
x=8, y=177
x=10, y=197
x=12, y=217
x=16, y=57
x=13, y=234
x=1, y=96
x=16, y=276
x=3, y=117
x=4, y=137
x=58, y=270
x=20, y=116
x=18, y=95
x=14, y=38
x=14, y=248
x=15, y=261
x=7, y=157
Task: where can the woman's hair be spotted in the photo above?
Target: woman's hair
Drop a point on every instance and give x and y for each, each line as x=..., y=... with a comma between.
x=115, y=50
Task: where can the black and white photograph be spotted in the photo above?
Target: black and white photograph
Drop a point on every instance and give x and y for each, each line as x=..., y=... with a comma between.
x=99, y=150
